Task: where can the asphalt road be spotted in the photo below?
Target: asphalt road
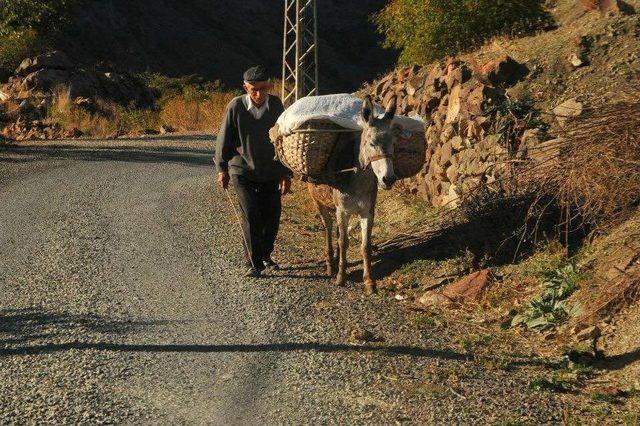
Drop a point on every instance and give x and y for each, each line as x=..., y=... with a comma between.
x=122, y=301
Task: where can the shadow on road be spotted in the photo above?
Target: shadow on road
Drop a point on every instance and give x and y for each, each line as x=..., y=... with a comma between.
x=34, y=332
x=189, y=156
x=31, y=324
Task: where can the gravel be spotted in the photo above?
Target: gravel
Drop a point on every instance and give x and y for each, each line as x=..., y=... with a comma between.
x=123, y=302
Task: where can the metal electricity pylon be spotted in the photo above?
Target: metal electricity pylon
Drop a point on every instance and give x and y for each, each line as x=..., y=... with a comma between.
x=300, y=51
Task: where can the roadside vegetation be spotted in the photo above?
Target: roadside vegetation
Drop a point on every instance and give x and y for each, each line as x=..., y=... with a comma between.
x=27, y=27
x=185, y=104
x=426, y=30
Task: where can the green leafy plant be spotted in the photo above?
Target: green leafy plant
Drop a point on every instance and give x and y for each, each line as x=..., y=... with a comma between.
x=425, y=30
x=551, y=308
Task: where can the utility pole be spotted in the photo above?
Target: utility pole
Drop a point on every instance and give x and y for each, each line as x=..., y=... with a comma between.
x=300, y=51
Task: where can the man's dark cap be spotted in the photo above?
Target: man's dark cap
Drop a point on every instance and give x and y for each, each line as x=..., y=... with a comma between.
x=255, y=74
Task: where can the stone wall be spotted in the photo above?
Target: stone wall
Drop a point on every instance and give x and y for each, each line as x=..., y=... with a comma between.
x=471, y=134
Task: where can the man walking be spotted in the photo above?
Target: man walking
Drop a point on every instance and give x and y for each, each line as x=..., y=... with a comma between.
x=245, y=155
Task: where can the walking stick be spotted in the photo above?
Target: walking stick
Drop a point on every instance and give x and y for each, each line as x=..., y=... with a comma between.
x=244, y=238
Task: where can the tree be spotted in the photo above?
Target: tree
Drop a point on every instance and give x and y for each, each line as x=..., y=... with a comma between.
x=426, y=30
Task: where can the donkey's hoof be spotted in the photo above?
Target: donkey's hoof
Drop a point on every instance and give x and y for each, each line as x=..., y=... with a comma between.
x=370, y=287
x=340, y=280
x=331, y=271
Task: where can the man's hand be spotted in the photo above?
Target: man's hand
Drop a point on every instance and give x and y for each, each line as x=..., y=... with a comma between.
x=285, y=185
x=223, y=180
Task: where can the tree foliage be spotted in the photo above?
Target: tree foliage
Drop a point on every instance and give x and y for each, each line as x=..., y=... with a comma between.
x=26, y=27
x=45, y=17
x=426, y=30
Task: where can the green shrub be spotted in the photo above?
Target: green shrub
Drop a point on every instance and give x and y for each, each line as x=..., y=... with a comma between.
x=27, y=27
x=426, y=30
x=15, y=46
x=46, y=17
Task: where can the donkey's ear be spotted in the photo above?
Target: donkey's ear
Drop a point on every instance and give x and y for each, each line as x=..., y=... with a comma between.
x=391, y=109
x=367, y=110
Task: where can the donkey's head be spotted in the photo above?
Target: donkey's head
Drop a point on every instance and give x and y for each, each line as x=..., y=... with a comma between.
x=376, y=144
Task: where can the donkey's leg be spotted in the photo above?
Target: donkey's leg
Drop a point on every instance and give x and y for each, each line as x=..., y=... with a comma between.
x=343, y=244
x=366, y=225
x=326, y=215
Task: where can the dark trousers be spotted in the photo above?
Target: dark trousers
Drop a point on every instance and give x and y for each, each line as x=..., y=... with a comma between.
x=260, y=208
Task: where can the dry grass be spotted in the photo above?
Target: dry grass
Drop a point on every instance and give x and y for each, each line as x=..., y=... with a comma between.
x=196, y=111
x=190, y=111
x=70, y=116
x=594, y=169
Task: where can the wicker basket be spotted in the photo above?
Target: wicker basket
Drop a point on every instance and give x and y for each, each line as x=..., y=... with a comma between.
x=409, y=155
x=307, y=150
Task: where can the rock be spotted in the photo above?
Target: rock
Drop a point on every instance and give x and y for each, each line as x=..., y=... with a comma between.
x=4, y=96
x=469, y=288
x=55, y=60
x=446, y=151
x=453, y=110
x=576, y=60
x=567, y=110
x=42, y=81
x=457, y=75
x=85, y=103
x=434, y=78
x=457, y=143
x=504, y=72
x=165, y=128
x=435, y=298
x=482, y=98
x=363, y=335
x=414, y=84
x=39, y=76
x=604, y=6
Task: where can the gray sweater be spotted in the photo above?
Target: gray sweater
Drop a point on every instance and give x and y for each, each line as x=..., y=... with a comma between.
x=243, y=146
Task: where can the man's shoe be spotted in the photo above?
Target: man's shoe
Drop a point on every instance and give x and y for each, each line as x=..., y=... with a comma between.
x=269, y=263
x=253, y=273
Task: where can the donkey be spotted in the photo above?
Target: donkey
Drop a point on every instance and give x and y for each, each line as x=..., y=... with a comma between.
x=357, y=195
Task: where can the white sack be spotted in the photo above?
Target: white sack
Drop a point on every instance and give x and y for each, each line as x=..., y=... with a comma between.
x=343, y=109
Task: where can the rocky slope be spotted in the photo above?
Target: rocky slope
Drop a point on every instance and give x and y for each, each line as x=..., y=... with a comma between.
x=472, y=102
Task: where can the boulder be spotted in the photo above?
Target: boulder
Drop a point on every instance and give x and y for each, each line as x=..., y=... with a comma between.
x=55, y=60
x=43, y=80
